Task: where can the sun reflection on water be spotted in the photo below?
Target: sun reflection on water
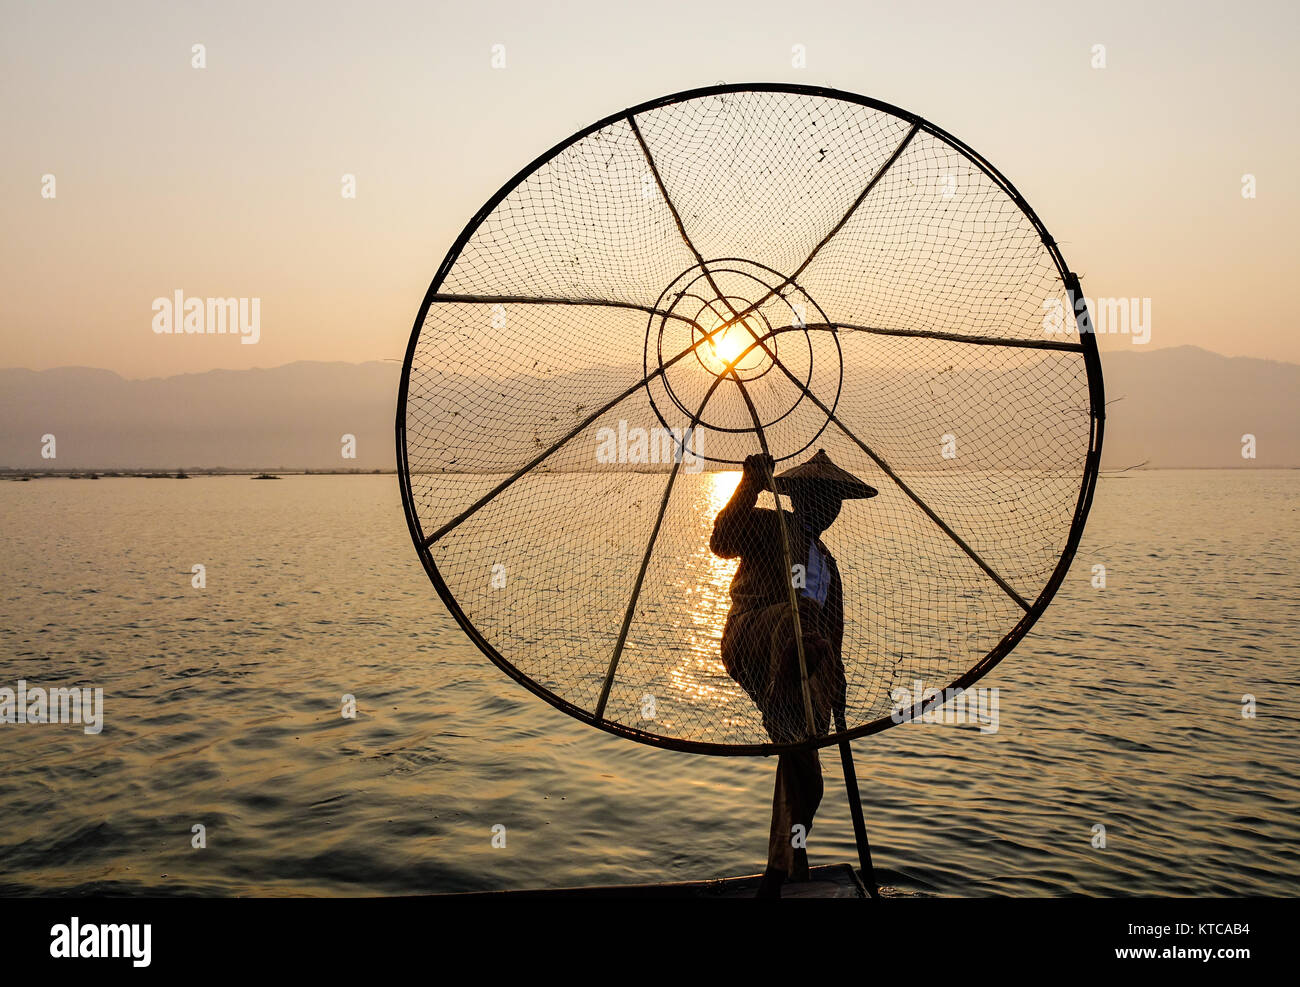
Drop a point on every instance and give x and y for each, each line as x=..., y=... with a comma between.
x=699, y=675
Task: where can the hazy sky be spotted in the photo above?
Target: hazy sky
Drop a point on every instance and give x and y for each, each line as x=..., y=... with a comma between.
x=225, y=181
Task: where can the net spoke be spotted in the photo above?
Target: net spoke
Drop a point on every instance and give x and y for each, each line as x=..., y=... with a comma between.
x=681, y=227
x=538, y=300
x=875, y=180
x=537, y=460
x=954, y=337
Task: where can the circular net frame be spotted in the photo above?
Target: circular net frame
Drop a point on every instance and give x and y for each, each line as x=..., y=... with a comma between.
x=730, y=271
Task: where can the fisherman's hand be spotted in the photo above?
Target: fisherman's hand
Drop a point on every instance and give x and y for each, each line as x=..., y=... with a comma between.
x=757, y=468
x=733, y=534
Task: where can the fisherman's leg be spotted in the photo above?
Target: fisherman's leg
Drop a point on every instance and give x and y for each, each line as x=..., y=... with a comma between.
x=780, y=719
x=806, y=787
x=780, y=852
x=795, y=798
x=826, y=690
x=780, y=703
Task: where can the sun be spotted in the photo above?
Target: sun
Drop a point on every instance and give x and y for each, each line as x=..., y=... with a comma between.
x=728, y=345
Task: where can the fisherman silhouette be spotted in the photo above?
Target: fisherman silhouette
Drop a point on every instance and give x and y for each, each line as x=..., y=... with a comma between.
x=758, y=643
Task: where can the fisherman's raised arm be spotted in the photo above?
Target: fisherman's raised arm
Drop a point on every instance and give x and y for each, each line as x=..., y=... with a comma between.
x=734, y=529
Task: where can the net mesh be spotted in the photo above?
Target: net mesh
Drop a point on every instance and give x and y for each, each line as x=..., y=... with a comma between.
x=677, y=293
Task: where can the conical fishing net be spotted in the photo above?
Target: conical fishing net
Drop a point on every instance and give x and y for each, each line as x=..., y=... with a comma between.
x=710, y=278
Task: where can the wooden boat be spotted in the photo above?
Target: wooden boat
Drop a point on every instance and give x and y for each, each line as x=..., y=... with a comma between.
x=826, y=881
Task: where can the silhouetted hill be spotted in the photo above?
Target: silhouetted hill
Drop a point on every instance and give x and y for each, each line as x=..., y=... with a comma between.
x=1185, y=406
x=292, y=416
x=1176, y=407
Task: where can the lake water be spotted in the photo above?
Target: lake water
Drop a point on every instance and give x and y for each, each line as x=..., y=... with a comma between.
x=1121, y=708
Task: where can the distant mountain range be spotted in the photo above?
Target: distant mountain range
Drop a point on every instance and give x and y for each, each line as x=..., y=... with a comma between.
x=289, y=417
x=1176, y=407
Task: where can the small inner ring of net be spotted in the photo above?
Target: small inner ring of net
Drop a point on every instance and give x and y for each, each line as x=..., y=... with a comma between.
x=723, y=347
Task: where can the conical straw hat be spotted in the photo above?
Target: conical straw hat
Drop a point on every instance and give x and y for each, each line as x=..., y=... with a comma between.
x=820, y=470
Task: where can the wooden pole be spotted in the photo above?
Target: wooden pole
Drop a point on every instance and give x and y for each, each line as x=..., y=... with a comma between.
x=809, y=720
x=855, y=807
